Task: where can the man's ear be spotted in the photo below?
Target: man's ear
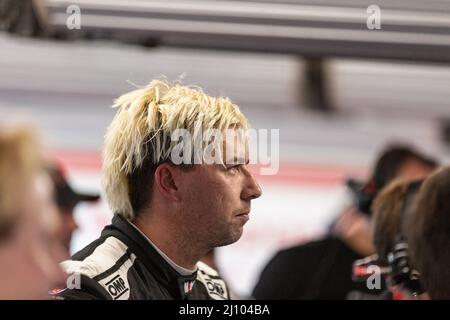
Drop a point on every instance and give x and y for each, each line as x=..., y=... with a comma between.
x=167, y=181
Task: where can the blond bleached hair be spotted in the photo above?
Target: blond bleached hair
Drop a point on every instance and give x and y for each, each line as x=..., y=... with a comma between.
x=141, y=131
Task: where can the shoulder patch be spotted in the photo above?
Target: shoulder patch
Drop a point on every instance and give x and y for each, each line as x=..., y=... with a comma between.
x=215, y=286
x=116, y=284
x=104, y=257
x=108, y=265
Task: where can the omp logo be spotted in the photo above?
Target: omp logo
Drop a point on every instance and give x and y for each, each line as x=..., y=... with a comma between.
x=116, y=284
x=116, y=287
x=215, y=288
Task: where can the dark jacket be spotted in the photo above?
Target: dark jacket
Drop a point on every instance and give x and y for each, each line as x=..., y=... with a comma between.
x=316, y=270
x=122, y=264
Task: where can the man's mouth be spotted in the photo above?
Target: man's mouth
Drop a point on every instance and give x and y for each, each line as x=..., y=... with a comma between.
x=245, y=216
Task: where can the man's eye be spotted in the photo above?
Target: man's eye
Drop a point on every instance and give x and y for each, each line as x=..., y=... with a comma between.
x=233, y=168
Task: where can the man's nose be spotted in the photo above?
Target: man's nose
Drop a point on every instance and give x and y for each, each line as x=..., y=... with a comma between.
x=252, y=189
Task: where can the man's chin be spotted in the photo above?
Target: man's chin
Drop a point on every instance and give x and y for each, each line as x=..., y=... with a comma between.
x=233, y=237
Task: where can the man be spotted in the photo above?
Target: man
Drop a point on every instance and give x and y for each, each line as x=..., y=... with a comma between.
x=168, y=214
x=323, y=269
x=67, y=199
x=428, y=232
x=29, y=249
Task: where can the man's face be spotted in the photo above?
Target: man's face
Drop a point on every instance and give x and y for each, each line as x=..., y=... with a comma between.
x=216, y=197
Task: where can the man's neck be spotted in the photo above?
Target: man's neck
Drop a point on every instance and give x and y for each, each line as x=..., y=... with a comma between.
x=175, y=248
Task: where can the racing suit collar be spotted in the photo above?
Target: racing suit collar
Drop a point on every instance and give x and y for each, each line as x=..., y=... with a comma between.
x=138, y=244
x=179, y=269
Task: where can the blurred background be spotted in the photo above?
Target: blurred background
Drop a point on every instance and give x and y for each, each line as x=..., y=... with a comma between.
x=336, y=90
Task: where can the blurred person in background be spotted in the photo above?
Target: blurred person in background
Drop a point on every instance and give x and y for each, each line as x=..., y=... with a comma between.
x=428, y=232
x=29, y=222
x=323, y=269
x=391, y=209
x=167, y=216
x=67, y=199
